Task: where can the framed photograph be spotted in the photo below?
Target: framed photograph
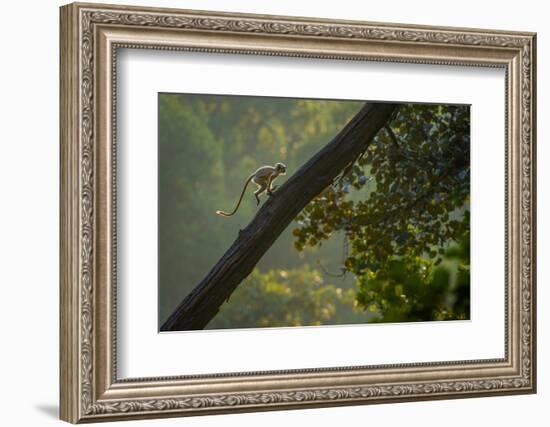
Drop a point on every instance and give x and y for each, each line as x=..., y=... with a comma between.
x=266, y=212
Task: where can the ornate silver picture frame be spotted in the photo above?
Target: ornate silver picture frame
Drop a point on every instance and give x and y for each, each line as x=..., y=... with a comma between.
x=91, y=37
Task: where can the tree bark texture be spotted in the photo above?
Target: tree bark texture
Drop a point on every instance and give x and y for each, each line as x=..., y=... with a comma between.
x=278, y=211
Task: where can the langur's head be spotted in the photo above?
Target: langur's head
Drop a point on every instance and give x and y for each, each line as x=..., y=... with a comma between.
x=281, y=168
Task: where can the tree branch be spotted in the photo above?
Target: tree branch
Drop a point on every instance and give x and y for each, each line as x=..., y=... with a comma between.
x=202, y=304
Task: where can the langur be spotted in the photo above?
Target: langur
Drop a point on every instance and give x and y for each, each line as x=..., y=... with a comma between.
x=263, y=178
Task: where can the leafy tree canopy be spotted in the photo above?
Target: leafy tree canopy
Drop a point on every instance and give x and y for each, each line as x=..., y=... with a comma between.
x=412, y=288
x=403, y=202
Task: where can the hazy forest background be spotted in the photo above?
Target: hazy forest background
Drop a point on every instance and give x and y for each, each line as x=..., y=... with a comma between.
x=389, y=242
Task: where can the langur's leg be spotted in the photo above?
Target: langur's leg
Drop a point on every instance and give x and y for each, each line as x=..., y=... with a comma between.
x=270, y=186
x=261, y=188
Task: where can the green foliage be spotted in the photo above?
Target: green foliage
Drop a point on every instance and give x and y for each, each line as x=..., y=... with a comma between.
x=185, y=187
x=412, y=289
x=401, y=204
x=294, y=297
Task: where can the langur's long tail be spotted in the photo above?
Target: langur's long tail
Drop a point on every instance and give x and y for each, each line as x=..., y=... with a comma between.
x=222, y=213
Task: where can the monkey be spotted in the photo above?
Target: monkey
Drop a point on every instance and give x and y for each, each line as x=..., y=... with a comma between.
x=263, y=178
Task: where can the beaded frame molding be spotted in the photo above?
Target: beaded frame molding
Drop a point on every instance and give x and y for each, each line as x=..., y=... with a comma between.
x=90, y=37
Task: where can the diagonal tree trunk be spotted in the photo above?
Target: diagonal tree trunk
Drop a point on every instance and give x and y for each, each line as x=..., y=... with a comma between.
x=202, y=304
